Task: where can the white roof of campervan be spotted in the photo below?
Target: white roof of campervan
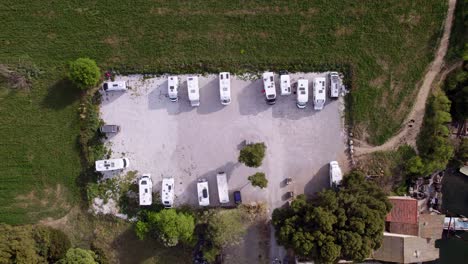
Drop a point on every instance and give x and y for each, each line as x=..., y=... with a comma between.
x=223, y=191
x=319, y=93
x=173, y=86
x=269, y=85
x=193, y=89
x=225, y=87
x=335, y=174
x=285, y=83
x=145, y=190
x=334, y=84
x=167, y=196
x=302, y=90
x=111, y=164
x=203, y=193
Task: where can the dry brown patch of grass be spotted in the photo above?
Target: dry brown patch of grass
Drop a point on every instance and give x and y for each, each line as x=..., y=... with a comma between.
x=344, y=31
x=114, y=41
x=159, y=10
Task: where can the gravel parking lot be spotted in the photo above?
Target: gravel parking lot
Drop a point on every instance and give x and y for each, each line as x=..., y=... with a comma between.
x=174, y=139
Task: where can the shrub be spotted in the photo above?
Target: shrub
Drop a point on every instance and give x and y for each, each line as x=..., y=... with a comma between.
x=84, y=73
x=259, y=180
x=252, y=155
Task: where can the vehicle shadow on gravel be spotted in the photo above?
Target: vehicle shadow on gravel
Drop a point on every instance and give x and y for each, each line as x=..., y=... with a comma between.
x=251, y=99
x=319, y=181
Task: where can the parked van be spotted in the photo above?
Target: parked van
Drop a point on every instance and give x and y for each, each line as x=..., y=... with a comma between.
x=110, y=129
x=302, y=93
x=167, y=194
x=145, y=186
x=173, y=88
x=111, y=164
x=114, y=86
x=193, y=90
x=319, y=93
x=225, y=88
x=335, y=174
x=335, y=86
x=203, y=193
x=223, y=191
x=269, y=87
x=285, y=83
x=237, y=197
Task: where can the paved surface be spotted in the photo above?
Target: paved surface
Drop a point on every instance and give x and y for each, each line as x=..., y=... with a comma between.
x=174, y=139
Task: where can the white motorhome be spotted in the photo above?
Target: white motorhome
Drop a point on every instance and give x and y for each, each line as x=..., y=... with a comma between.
x=335, y=85
x=173, y=88
x=335, y=174
x=302, y=93
x=225, y=88
x=112, y=164
x=114, y=86
x=285, y=84
x=145, y=186
x=269, y=87
x=203, y=193
x=223, y=191
x=193, y=90
x=167, y=193
x=319, y=93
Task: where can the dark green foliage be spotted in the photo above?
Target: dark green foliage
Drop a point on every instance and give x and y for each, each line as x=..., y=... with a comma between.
x=252, y=155
x=84, y=73
x=415, y=167
x=167, y=225
x=79, y=256
x=461, y=156
x=259, y=180
x=433, y=141
x=337, y=224
x=456, y=87
x=32, y=244
x=90, y=122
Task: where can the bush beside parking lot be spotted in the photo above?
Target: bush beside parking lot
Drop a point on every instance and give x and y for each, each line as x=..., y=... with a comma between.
x=252, y=155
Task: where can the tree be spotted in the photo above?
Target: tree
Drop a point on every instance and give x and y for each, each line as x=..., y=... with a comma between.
x=226, y=228
x=84, y=73
x=259, y=180
x=168, y=226
x=79, y=256
x=346, y=223
x=252, y=155
x=414, y=167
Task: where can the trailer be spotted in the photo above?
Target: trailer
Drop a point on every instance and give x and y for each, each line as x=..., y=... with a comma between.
x=223, y=191
x=336, y=176
x=114, y=86
x=145, y=186
x=173, y=88
x=167, y=194
x=302, y=93
x=319, y=93
x=112, y=164
x=335, y=84
x=203, y=192
x=285, y=83
x=269, y=87
x=193, y=90
x=225, y=88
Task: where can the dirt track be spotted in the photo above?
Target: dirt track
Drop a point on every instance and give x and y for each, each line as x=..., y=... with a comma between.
x=413, y=123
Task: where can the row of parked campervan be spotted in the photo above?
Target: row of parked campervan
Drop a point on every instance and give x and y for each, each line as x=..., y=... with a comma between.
x=319, y=89
x=223, y=191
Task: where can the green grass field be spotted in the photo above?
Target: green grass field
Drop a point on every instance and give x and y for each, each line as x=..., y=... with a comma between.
x=387, y=44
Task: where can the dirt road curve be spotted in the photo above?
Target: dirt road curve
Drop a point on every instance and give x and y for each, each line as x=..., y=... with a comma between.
x=413, y=122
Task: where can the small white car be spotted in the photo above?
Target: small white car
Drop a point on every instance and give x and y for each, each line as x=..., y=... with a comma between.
x=173, y=88
x=225, y=88
x=112, y=164
x=145, y=186
x=203, y=193
x=114, y=86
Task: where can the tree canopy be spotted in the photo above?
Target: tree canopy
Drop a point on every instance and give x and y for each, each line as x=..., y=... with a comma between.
x=79, y=256
x=259, y=180
x=252, y=154
x=84, y=73
x=347, y=223
x=167, y=225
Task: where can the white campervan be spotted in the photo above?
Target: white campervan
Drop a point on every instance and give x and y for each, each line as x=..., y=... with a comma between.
x=193, y=90
x=302, y=93
x=335, y=86
x=285, y=83
x=167, y=195
x=114, y=86
x=319, y=93
x=223, y=191
x=335, y=174
x=173, y=88
x=269, y=87
x=111, y=164
x=203, y=193
x=145, y=186
x=225, y=88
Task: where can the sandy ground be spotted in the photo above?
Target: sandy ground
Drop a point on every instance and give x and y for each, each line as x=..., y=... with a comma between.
x=170, y=139
x=413, y=122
